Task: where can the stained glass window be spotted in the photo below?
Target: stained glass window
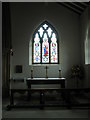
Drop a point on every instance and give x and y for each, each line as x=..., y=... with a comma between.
x=45, y=44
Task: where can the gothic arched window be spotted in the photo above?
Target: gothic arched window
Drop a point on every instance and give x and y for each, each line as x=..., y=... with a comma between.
x=45, y=44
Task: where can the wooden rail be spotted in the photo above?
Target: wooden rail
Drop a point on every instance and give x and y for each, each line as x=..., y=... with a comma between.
x=65, y=92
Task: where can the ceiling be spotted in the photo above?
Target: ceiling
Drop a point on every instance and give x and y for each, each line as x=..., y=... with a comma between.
x=77, y=7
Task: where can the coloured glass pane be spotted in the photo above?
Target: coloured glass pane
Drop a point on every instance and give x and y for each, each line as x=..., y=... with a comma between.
x=49, y=31
x=54, y=56
x=41, y=31
x=45, y=49
x=45, y=26
x=37, y=49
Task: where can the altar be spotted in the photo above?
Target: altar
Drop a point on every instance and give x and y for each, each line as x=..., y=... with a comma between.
x=59, y=81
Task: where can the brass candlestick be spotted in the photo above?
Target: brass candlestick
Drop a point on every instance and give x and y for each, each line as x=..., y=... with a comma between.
x=59, y=73
x=46, y=72
x=31, y=73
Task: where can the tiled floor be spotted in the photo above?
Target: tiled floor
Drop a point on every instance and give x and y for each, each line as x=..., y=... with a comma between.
x=45, y=113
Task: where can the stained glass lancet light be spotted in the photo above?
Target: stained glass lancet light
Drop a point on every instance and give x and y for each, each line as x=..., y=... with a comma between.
x=45, y=49
x=37, y=49
x=45, y=44
x=53, y=48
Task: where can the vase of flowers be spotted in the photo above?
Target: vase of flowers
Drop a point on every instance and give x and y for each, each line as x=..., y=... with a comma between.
x=77, y=72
